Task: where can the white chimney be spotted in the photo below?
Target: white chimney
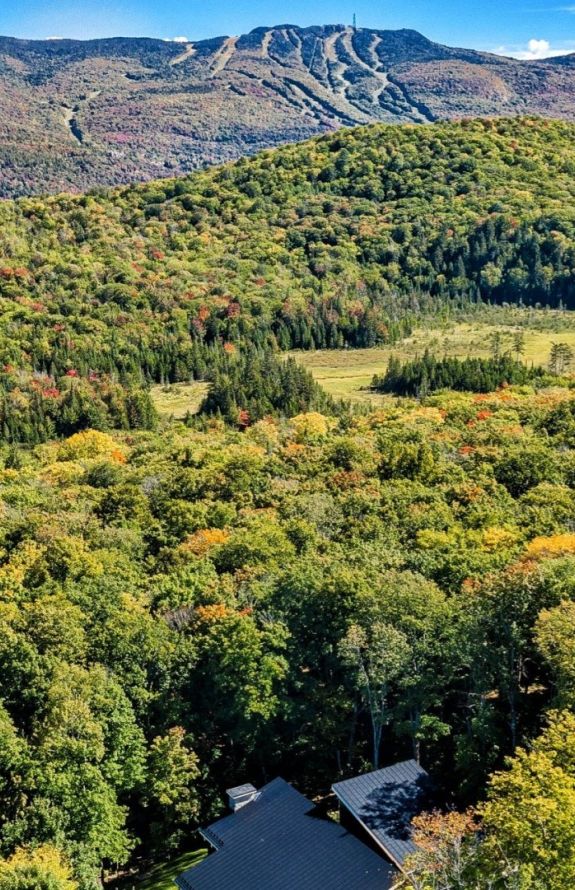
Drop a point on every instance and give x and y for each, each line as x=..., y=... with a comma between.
x=240, y=796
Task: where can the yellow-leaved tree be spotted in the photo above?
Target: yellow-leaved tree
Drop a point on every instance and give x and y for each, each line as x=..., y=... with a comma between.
x=529, y=818
x=41, y=868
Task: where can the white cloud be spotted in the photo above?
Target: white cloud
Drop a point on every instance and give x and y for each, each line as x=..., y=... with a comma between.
x=535, y=49
x=176, y=40
x=55, y=38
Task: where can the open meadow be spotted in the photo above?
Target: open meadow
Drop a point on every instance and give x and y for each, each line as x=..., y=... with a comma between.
x=347, y=373
x=175, y=400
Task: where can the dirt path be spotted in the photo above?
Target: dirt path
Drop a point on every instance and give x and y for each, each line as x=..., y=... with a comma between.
x=71, y=124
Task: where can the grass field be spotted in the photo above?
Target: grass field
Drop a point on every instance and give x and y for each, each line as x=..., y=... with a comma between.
x=178, y=399
x=346, y=373
x=162, y=876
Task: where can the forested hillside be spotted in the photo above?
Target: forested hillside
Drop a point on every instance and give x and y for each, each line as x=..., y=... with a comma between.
x=78, y=114
x=339, y=241
x=181, y=611
x=281, y=585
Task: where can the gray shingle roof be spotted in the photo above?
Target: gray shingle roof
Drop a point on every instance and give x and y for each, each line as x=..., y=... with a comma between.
x=277, y=843
x=385, y=802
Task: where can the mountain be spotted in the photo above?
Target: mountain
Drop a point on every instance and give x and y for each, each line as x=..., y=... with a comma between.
x=341, y=240
x=77, y=115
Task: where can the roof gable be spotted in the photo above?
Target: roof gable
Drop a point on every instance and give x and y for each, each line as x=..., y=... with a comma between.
x=385, y=801
x=278, y=843
x=277, y=796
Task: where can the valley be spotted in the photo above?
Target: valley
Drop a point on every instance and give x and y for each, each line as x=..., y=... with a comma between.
x=347, y=373
x=227, y=553
x=361, y=241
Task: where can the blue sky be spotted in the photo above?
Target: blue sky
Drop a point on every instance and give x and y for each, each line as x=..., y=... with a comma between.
x=527, y=28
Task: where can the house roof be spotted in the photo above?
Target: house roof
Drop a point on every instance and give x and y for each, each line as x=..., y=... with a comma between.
x=277, y=843
x=385, y=802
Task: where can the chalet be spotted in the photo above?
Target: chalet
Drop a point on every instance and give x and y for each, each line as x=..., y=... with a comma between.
x=274, y=839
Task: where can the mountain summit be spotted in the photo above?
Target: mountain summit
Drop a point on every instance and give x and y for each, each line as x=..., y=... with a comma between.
x=80, y=114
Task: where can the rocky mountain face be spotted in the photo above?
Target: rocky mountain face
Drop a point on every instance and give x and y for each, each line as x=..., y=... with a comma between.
x=77, y=115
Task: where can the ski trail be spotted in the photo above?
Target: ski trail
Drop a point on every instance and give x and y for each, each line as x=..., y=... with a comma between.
x=267, y=39
x=335, y=66
x=187, y=54
x=223, y=56
x=372, y=50
x=298, y=45
x=381, y=76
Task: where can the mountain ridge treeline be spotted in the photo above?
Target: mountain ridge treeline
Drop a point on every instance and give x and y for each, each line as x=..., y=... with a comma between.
x=79, y=114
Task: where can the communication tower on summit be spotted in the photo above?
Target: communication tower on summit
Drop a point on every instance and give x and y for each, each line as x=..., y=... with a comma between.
x=354, y=22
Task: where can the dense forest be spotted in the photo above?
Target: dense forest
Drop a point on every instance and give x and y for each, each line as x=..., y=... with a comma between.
x=183, y=608
x=429, y=374
x=244, y=387
x=283, y=585
x=342, y=240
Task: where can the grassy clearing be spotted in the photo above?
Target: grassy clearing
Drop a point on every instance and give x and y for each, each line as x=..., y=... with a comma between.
x=345, y=373
x=162, y=876
x=178, y=399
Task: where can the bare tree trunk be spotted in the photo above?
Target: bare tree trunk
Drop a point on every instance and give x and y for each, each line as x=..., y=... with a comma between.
x=352, y=732
x=415, y=741
x=377, y=733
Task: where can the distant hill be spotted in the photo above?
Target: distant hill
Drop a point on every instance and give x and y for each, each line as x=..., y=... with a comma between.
x=75, y=115
x=344, y=239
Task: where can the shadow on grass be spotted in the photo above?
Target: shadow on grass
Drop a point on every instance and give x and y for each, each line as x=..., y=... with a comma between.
x=161, y=877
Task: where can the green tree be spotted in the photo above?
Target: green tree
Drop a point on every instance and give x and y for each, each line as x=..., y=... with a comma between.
x=555, y=638
x=429, y=622
x=519, y=345
x=560, y=358
x=376, y=656
x=171, y=788
x=529, y=817
x=89, y=750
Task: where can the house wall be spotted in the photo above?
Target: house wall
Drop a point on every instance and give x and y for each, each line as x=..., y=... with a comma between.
x=351, y=824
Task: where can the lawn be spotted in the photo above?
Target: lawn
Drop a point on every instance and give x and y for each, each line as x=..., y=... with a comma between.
x=178, y=399
x=346, y=373
x=161, y=877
